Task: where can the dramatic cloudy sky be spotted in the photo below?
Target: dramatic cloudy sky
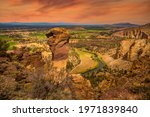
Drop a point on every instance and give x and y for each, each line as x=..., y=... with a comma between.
x=75, y=11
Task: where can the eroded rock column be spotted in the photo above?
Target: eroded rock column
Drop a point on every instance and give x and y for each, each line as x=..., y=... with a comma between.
x=58, y=41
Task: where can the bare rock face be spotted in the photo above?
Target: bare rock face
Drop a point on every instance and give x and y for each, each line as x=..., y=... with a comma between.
x=136, y=49
x=120, y=64
x=81, y=88
x=125, y=48
x=58, y=43
x=131, y=34
x=133, y=49
x=146, y=50
x=135, y=34
x=117, y=64
x=130, y=50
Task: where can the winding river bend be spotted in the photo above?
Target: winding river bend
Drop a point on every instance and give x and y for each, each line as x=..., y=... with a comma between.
x=90, y=62
x=99, y=67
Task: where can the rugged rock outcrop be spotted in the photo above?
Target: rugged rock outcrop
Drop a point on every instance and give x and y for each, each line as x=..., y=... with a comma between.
x=117, y=64
x=58, y=41
x=146, y=50
x=133, y=49
x=120, y=64
x=124, y=48
x=132, y=34
x=135, y=34
x=81, y=88
x=130, y=50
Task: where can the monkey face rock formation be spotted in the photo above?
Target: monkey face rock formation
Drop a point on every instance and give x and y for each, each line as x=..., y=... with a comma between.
x=58, y=41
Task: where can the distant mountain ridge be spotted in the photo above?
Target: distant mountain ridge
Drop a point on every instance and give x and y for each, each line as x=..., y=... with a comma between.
x=47, y=24
x=125, y=25
x=35, y=23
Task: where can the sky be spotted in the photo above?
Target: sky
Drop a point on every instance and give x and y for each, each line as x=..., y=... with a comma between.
x=76, y=11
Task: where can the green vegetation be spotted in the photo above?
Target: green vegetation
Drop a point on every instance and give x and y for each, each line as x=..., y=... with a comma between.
x=10, y=45
x=37, y=35
x=6, y=37
x=86, y=34
x=7, y=45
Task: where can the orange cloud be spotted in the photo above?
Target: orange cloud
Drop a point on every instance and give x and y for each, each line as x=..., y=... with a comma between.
x=78, y=11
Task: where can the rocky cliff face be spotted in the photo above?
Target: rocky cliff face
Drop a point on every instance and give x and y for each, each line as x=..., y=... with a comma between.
x=132, y=34
x=133, y=49
x=135, y=34
x=130, y=50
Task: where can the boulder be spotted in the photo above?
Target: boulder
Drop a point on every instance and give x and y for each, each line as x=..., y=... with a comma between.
x=119, y=64
x=107, y=59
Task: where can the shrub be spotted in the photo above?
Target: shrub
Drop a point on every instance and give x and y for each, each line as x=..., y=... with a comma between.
x=7, y=88
x=39, y=89
x=7, y=45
